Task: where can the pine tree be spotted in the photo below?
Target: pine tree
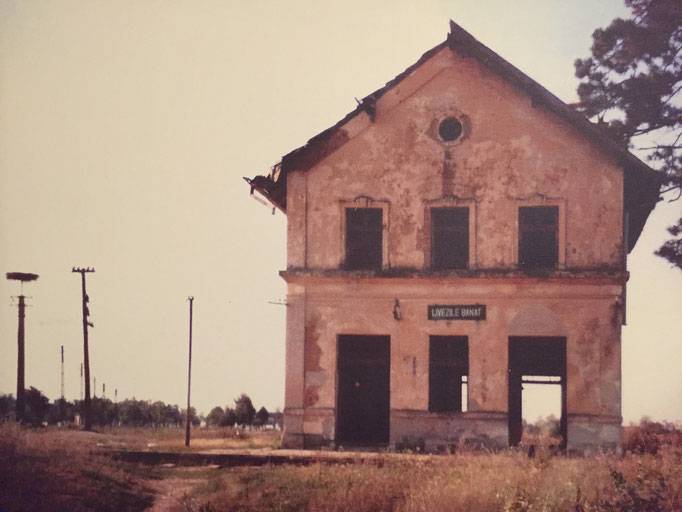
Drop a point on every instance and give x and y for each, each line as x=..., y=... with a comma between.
x=631, y=83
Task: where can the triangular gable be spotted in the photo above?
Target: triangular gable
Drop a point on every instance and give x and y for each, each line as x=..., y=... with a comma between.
x=641, y=183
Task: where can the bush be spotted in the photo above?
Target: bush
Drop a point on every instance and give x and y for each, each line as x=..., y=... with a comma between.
x=649, y=437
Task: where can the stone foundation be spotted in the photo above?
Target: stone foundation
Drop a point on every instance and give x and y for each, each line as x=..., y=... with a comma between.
x=590, y=434
x=439, y=433
x=449, y=432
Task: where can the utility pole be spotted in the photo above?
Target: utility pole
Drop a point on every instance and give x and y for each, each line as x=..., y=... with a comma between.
x=86, y=354
x=61, y=402
x=23, y=277
x=189, y=371
x=81, y=382
x=62, y=372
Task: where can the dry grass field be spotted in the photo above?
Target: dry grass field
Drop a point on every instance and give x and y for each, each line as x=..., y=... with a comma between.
x=60, y=470
x=173, y=439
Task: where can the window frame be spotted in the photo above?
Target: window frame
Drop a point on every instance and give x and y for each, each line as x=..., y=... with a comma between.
x=449, y=202
x=443, y=229
x=560, y=204
x=365, y=203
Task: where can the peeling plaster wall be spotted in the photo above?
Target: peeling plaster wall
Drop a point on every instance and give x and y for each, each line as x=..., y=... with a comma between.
x=581, y=312
x=511, y=154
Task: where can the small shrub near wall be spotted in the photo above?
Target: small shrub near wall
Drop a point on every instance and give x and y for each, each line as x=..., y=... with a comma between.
x=649, y=437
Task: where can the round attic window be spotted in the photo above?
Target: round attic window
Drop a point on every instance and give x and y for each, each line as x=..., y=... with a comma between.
x=450, y=129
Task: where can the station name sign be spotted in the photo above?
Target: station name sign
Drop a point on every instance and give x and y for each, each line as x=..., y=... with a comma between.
x=471, y=312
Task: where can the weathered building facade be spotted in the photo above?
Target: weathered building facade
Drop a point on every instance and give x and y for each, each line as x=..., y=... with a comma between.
x=461, y=231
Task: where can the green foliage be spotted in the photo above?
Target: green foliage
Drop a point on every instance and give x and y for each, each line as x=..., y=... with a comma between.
x=140, y=413
x=631, y=85
x=215, y=416
x=244, y=410
x=649, y=437
x=61, y=411
x=134, y=413
x=193, y=417
x=36, y=406
x=102, y=411
x=671, y=250
x=7, y=406
x=548, y=426
x=158, y=413
x=129, y=412
x=229, y=419
x=646, y=493
x=261, y=417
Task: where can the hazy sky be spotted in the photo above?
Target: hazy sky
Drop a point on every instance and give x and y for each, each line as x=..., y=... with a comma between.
x=125, y=130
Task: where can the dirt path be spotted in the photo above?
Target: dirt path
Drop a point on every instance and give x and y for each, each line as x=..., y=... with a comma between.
x=171, y=494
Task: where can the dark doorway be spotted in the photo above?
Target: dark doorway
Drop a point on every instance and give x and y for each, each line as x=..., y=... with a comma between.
x=531, y=359
x=364, y=390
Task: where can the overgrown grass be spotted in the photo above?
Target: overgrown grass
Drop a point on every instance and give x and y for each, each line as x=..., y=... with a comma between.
x=509, y=482
x=201, y=439
x=58, y=471
x=644, y=480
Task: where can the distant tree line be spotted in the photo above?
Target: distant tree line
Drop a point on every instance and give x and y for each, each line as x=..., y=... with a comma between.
x=243, y=414
x=38, y=409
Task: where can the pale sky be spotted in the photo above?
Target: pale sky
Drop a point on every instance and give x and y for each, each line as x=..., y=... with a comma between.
x=125, y=130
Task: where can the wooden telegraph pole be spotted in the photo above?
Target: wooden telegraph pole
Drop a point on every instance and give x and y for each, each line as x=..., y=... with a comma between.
x=61, y=402
x=86, y=355
x=62, y=373
x=23, y=277
x=189, y=371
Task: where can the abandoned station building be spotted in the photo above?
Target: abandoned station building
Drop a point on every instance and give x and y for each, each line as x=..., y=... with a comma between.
x=461, y=232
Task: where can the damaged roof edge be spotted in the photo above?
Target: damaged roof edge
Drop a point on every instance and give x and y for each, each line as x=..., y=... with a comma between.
x=642, y=184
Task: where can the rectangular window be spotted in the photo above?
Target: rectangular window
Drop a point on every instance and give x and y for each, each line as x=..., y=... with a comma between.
x=538, y=237
x=450, y=238
x=448, y=372
x=364, y=231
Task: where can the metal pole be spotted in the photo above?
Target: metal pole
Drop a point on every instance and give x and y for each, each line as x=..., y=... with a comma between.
x=20, y=361
x=189, y=372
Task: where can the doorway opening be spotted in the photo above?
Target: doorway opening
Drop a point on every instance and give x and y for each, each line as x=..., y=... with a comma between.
x=540, y=407
x=537, y=367
x=363, y=394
